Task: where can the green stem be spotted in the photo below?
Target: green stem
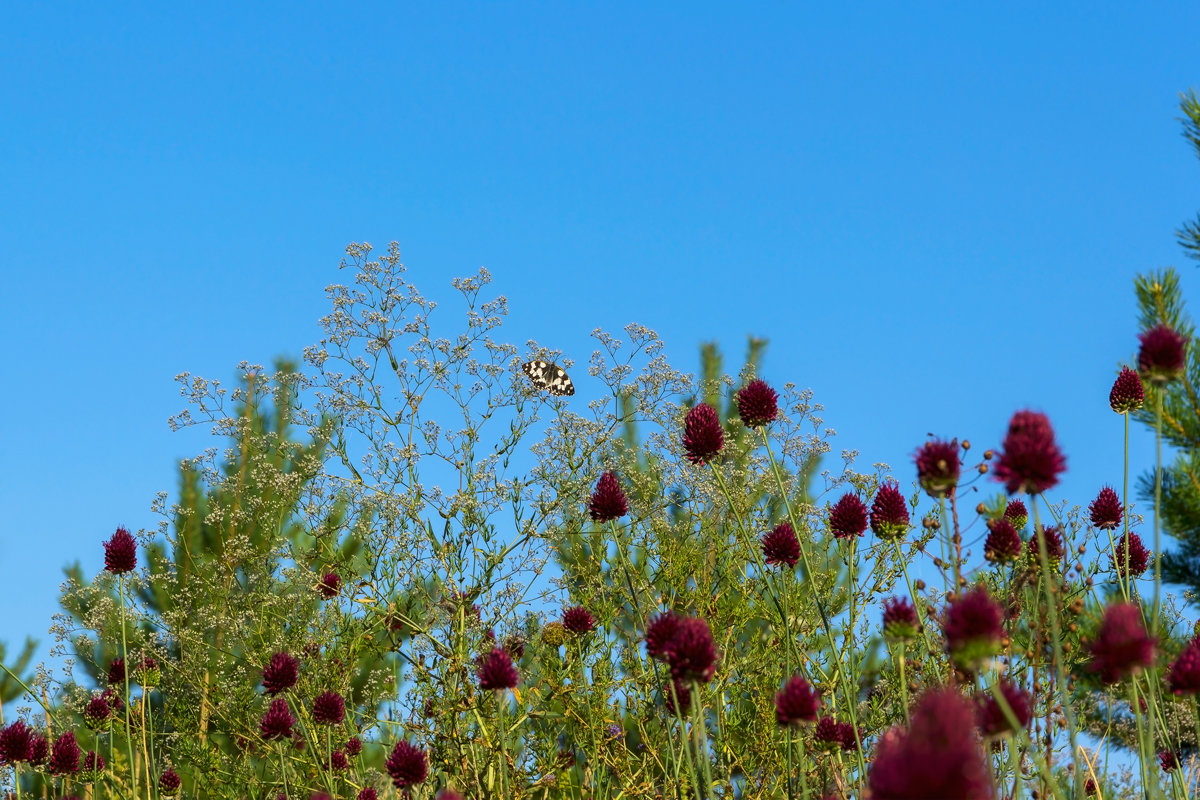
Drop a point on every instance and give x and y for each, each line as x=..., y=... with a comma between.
x=125, y=660
x=1158, y=415
x=502, y=735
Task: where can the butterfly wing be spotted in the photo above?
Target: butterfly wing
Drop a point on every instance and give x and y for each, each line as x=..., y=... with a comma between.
x=549, y=377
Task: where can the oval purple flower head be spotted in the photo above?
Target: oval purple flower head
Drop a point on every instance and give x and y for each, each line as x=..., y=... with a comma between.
x=1163, y=354
x=1003, y=543
x=889, y=513
x=578, y=620
x=703, y=437
x=277, y=723
x=608, y=501
x=120, y=552
x=1131, y=558
x=330, y=585
x=757, y=404
x=1121, y=646
x=781, y=546
x=1127, y=393
x=281, y=673
x=974, y=627
x=848, y=517
x=659, y=633
x=797, y=703
x=16, y=743
x=1031, y=461
x=329, y=708
x=496, y=671
x=992, y=720
x=938, y=467
x=1106, y=510
x=1016, y=513
x=900, y=622
x=65, y=755
x=1184, y=675
x=690, y=653
x=407, y=765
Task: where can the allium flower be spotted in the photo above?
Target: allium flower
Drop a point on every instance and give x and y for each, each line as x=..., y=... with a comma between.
x=1139, y=556
x=900, y=622
x=578, y=620
x=330, y=584
x=608, y=501
x=1003, y=543
x=281, y=674
x=278, y=721
x=797, y=703
x=147, y=673
x=889, y=514
x=1031, y=461
x=92, y=766
x=690, y=653
x=98, y=713
x=16, y=743
x=169, y=782
x=757, y=404
x=1184, y=675
x=660, y=631
x=974, y=627
x=1168, y=760
x=848, y=735
x=1054, y=546
x=848, y=517
x=1016, y=513
x=1106, y=510
x=938, y=466
x=703, y=437
x=338, y=760
x=354, y=746
x=329, y=709
x=116, y=672
x=1163, y=355
x=368, y=793
x=781, y=546
x=828, y=735
x=496, y=671
x=1127, y=393
x=65, y=755
x=1121, y=646
x=39, y=749
x=407, y=765
x=681, y=691
x=120, y=552
x=447, y=794
x=938, y=756
x=515, y=645
x=990, y=717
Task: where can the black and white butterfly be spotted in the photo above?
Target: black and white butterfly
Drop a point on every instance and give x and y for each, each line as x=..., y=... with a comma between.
x=550, y=377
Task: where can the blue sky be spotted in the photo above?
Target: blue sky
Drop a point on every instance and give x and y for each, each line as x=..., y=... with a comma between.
x=933, y=211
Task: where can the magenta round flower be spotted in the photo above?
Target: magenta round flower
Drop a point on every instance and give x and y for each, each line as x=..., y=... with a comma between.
x=329, y=709
x=1122, y=646
x=281, y=673
x=1163, y=354
x=330, y=584
x=681, y=691
x=354, y=745
x=1016, y=513
x=120, y=552
x=990, y=717
x=703, y=437
x=496, y=671
x=973, y=626
x=1130, y=546
x=938, y=756
x=16, y=743
x=608, y=501
x=407, y=765
x=659, y=633
x=447, y=794
x=98, y=713
x=781, y=546
x=368, y=793
x=116, y=672
x=690, y=653
x=1031, y=461
x=757, y=404
x=1184, y=675
x=93, y=765
x=828, y=735
x=169, y=782
x=1127, y=393
x=1168, y=760
x=1054, y=546
x=889, y=513
x=65, y=755
x=578, y=620
x=1106, y=510
x=797, y=703
x=277, y=723
x=938, y=467
x=848, y=517
x=39, y=749
x=338, y=761
x=900, y=622
x=1003, y=543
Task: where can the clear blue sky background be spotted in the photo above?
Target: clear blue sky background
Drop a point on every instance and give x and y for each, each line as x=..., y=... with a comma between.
x=934, y=212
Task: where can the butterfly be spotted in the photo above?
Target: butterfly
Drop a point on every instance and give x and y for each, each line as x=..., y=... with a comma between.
x=550, y=377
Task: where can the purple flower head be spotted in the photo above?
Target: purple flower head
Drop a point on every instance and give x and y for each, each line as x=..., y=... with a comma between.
x=690, y=653
x=407, y=765
x=990, y=717
x=354, y=745
x=338, y=761
x=757, y=404
x=1106, y=510
x=1054, y=546
x=848, y=517
x=781, y=546
x=703, y=437
x=120, y=552
x=900, y=622
x=169, y=782
x=1127, y=393
x=116, y=672
x=608, y=501
x=889, y=514
x=330, y=584
x=496, y=671
x=447, y=794
x=92, y=766
x=1184, y=675
x=681, y=691
x=1122, y=646
x=974, y=627
x=1003, y=543
x=98, y=713
x=278, y=721
x=1131, y=558
x=828, y=735
x=659, y=633
x=1163, y=355
x=797, y=703
x=147, y=672
x=65, y=755
x=368, y=793
x=1168, y=760
x=281, y=673
x=938, y=467
x=938, y=756
x=849, y=736
x=16, y=743
x=578, y=620
x=1016, y=513
x=39, y=749
x=329, y=709
x=1031, y=461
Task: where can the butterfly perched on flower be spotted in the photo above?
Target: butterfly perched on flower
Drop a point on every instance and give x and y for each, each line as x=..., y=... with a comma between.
x=550, y=377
